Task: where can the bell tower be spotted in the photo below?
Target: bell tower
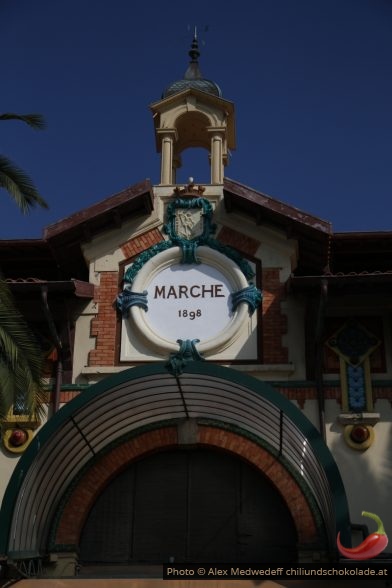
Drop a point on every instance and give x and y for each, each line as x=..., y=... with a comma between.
x=190, y=114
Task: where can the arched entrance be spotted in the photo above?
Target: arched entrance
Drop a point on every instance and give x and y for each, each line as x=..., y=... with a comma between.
x=193, y=505
x=141, y=411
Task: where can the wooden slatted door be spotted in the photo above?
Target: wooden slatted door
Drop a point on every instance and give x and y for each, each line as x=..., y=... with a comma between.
x=192, y=505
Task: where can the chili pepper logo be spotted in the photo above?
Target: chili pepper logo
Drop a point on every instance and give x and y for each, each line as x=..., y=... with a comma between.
x=372, y=546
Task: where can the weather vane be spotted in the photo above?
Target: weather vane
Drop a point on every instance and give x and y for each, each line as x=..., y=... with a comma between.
x=204, y=30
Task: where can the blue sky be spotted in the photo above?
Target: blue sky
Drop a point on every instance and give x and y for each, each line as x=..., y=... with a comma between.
x=311, y=81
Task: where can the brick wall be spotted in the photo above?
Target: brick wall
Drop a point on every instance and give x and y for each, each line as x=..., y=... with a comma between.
x=298, y=393
x=138, y=244
x=275, y=472
x=238, y=241
x=103, y=326
x=68, y=395
x=274, y=321
x=92, y=483
x=303, y=393
x=274, y=324
x=95, y=479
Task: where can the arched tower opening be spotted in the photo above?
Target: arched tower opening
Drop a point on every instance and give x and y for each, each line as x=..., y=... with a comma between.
x=193, y=114
x=192, y=149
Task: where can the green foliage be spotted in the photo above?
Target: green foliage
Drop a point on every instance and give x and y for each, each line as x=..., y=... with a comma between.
x=35, y=121
x=13, y=179
x=19, y=186
x=20, y=359
x=20, y=355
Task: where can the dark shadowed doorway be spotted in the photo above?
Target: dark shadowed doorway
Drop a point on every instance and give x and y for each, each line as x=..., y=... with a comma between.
x=194, y=505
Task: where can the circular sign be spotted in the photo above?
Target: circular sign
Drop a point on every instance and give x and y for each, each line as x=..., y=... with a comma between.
x=189, y=301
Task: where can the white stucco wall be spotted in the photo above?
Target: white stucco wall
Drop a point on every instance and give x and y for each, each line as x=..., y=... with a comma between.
x=367, y=475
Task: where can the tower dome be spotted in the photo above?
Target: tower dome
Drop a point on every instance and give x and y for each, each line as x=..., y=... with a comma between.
x=193, y=77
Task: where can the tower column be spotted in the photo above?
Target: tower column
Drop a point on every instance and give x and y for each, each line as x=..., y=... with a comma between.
x=217, y=164
x=167, y=137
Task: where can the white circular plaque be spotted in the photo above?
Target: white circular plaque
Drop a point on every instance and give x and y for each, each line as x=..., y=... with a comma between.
x=189, y=301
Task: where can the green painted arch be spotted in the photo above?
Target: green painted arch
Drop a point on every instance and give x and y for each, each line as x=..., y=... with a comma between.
x=149, y=393
x=54, y=546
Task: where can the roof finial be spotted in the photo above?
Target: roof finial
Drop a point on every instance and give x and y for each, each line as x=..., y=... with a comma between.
x=193, y=77
x=194, y=53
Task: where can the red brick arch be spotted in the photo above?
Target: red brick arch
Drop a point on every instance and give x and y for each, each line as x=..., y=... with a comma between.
x=92, y=483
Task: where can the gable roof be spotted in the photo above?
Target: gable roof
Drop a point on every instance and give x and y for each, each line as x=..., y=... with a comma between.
x=66, y=236
x=58, y=256
x=105, y=215
x=313, y=234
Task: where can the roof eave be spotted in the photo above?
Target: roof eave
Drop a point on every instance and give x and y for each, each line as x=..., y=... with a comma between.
x=303, y=283
x=78, y=288
x=279, y=210
x=162, y=104
x=108, y=213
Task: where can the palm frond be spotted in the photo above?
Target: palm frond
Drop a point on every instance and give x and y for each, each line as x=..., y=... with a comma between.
x=19, y=186
x=35, y=121
x=7, y=390
x=20, y=359
x=17, y=343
